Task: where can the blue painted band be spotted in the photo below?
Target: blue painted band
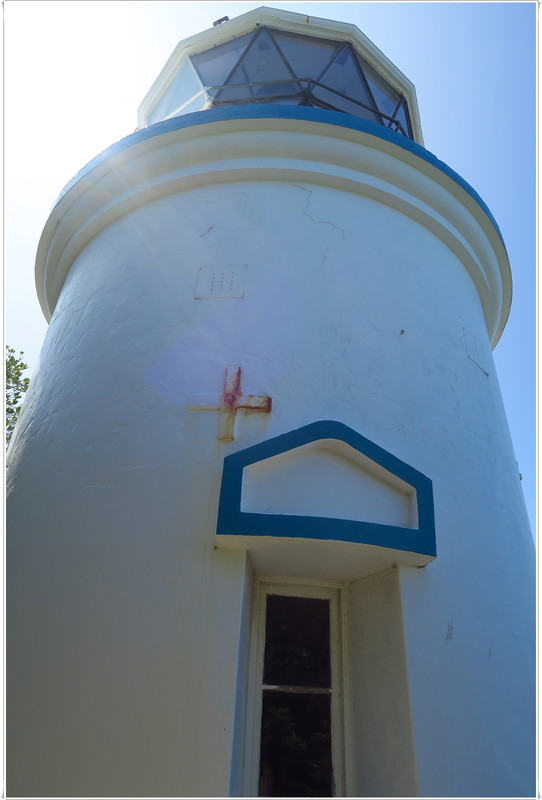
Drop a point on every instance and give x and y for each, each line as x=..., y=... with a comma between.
x=281, y=112
x=232, y=521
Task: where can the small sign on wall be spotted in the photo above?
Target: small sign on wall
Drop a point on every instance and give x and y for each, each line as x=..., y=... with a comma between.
x=221, y=282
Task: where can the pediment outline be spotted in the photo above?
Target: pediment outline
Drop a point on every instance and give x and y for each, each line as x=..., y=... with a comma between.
x=235, y=522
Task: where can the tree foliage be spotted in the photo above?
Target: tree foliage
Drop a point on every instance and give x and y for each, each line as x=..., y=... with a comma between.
x=16, y=386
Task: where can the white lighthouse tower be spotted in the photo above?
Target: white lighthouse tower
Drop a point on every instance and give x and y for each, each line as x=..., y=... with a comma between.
x=265, y=531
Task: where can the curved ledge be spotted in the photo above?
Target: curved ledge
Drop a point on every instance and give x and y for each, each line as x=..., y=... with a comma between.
x=264, y=143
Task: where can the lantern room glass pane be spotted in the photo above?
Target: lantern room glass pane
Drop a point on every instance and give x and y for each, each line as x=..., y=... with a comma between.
x=185, y=86
x=343, y=75
x=295, y=100
x=276, y=93
x=297, y=650
x=403, y=117
x=214, y=66
x=197, y=103
x=329, y=99
x=232, y=95
x=308, y=56
x=263, y=63
x=385, y=96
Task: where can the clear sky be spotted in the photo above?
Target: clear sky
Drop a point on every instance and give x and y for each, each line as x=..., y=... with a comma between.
x=75, y=73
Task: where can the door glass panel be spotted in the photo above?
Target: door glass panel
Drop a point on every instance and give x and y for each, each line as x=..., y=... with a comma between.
x=297, y=649
x=295, y=748
x=295, y=742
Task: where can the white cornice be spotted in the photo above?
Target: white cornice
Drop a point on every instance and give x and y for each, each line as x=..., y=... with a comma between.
x=279, y=149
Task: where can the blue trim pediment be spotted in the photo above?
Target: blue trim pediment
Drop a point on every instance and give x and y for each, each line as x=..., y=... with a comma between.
x=232, y=521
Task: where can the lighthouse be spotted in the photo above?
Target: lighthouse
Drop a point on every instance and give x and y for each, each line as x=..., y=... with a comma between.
x=265, y=531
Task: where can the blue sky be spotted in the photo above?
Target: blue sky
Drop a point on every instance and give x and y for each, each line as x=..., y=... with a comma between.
x=75, y=73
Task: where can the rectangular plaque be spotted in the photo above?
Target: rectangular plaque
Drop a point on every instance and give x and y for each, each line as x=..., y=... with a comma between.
x=221, y=282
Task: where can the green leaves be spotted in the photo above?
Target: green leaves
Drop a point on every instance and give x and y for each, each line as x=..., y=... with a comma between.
x=16, y=386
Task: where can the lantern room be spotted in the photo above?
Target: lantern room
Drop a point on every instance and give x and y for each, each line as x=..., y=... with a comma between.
x=275, y=57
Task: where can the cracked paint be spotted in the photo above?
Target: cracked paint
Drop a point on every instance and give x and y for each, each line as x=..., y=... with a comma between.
x=309, y=215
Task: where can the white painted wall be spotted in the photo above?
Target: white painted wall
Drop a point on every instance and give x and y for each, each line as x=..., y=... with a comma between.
x=124, y=622
x=381, y=751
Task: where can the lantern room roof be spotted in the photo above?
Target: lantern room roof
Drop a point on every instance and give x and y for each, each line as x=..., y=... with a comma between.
x=268, y=56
